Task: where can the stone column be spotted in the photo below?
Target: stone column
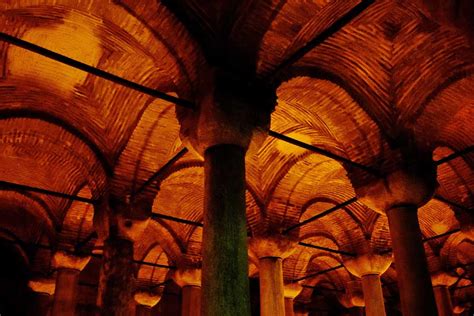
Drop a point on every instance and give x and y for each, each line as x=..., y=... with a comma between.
x=68, y=268
x=291, y=291
x=270, y=252
x=369, y=268
x=232, y=118
x=190, y=282
x=43, y=290
x=398, y=195
x=416, y=293
x=441, y=282
x=119, y=226
x=116, y=278
x=145, y=300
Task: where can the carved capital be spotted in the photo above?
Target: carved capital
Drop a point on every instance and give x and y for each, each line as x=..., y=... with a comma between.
x=231, y=111
x=64, y=260
x=41, y=285
x=442, y=278
x=409, y=186
x=147, y=298
x=292, y=290
x=368, y=264
x=116, y=217
x=187, y=277
x=272, y=246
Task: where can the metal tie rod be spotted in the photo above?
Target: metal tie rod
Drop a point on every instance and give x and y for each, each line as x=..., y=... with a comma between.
x=21, y=187
x=322, y=152
x=322, y=214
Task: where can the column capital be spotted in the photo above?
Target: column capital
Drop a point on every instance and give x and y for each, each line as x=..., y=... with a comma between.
x=292, y=290
x=147, y=298
x=412, y=182
x=187, y=277
x=442, y=278
x=368, y=264
x=117, y=217
x=231, y=110
x=458, y=309
x=42, y=285
x=272, y=246
x=64, y=260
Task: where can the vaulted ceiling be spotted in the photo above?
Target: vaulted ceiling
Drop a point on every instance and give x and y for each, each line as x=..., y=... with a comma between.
x=398, y=70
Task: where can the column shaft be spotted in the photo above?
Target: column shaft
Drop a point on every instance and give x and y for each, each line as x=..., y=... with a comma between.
x=289, y=311
x=272, y=299
x=41, y=303
x=225, y=284
x=443, y=301
x=115, y=286
x=414, y=282
x=142, y=310
x=65, y=294
x=373, y=295
x=191, y=305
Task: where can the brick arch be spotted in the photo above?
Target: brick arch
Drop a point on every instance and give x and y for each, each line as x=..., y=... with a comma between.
x=58, y=159
x=348, y=233
x=155, y=139
x=383, y=56
x=114, y=20
x=149, y=276
x=32, y=205
x=12, y=240
x=77, y=224
x=452, y=122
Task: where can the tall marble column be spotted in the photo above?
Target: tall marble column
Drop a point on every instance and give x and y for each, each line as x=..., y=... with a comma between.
x=190, y=282
x=291, y=291
x=369, y=268
x=119, y=226
x=68, y=267
x=43, y=296
x=270, y=252
x=231, y=119
x=441, y=282
x=145, y=300
x=398, y=195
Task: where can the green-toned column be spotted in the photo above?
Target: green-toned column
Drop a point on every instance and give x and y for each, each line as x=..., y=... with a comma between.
x=231, y=120
x=224, y=248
